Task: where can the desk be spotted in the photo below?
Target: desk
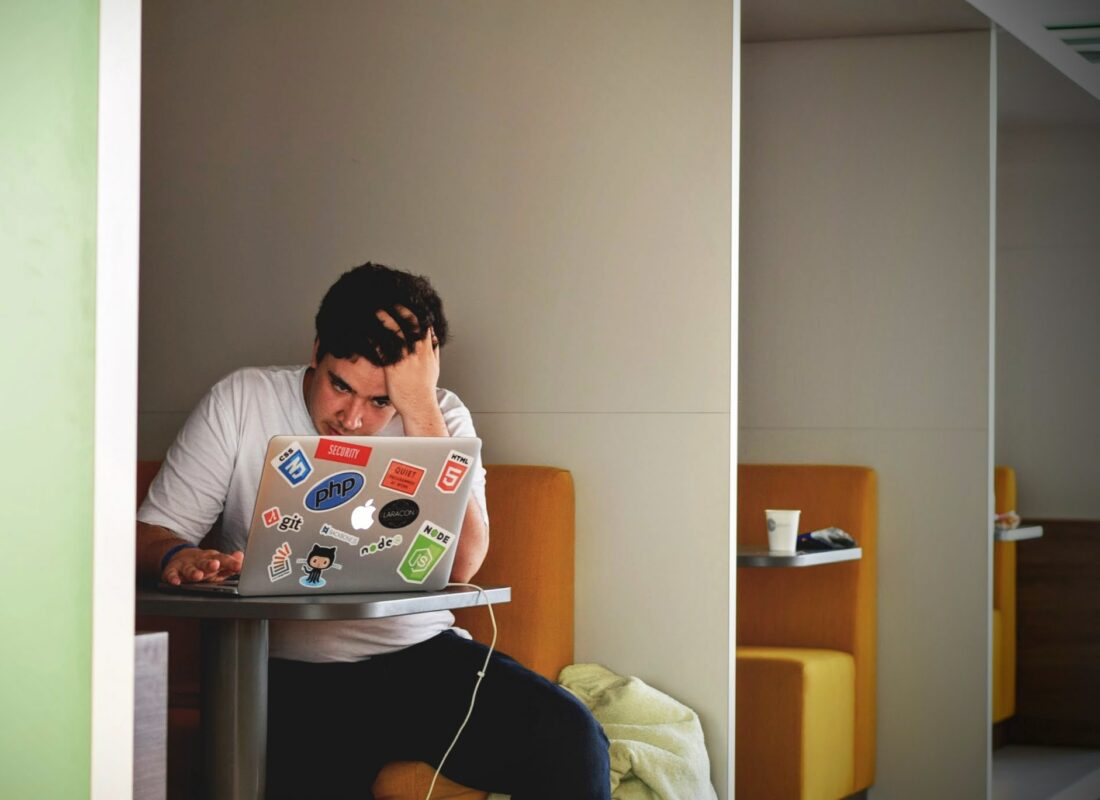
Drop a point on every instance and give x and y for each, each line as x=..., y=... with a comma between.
x=749, y=556
x=234, y=668
x=1019, y=534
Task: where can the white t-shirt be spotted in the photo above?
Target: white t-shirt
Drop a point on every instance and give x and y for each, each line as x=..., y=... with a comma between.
x=213, y=469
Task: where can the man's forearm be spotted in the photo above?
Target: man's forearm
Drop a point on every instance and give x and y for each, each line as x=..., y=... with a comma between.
x=153, y=542
x=473, y=544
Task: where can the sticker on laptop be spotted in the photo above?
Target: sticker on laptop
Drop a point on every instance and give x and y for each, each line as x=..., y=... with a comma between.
x=335, y=450
x=319, y=559
x=383, y=543
x=402, y=477
x=292, y=464
x=272, y=516
x=362, y=517
x=454, y=470
x=336, y=533
x=333, y=491
x=398, y=513
x=279, y=567
x=427, y=549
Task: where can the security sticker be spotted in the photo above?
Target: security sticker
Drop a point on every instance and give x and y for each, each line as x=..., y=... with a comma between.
x=292, y=464
x=336, y=533
x=402, y=477
x=383, y=543
x=335, y=490
x=426, y=550
x=272, y=516
x=454, y=470
x=279, y=567
x=335, y=450
x=398, y=513
x=319, y=559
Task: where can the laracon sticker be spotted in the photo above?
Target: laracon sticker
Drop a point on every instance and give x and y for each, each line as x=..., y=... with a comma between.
x=272, y=516
x=398, y=513
x=454, y=470
x=426, y=550
x=362, y=517
x=292, y=464
x=279, y=567
x=402, y=477
x=319, y=559
x=336, y=533
x=335, y=450
x=333, y=491
x=383, y=543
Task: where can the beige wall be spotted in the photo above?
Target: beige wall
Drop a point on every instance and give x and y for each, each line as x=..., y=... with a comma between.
x=1048, y=293
x=562, y=172
x=864, y=329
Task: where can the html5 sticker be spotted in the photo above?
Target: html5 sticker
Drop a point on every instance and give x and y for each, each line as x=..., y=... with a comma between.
x=454, y=470
x=335, y=450
x=402, y=477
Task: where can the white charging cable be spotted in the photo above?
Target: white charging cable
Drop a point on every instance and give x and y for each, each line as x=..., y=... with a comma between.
x=477, y=684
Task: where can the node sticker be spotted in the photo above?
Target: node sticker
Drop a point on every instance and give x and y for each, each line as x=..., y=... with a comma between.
x=454, y=470
x=280, y=567
x=333, y=491
x=292, y=464
x=335, y=450
x=319, y=559
x=398, y=513
x=272, y=516
x=383, y=543
x=336, y=533
x=426, y=550
x=402, y=477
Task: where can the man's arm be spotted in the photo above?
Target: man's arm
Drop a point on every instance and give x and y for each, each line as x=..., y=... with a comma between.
x=188, y=565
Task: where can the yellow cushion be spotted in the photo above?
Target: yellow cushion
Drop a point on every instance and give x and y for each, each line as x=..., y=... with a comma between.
x=401, y=780
x=795, y=733
x=1004, y=602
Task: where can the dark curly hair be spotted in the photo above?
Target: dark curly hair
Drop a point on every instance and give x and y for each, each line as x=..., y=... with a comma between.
x=347, y=321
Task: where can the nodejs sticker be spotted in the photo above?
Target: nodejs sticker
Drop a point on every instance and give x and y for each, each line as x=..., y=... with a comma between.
x=383, y=543
x=402, y=477
x=398, y=513
x=426, y=550
x=336, y=533
x=335, y=450
x=333, y=491
x=319, y=559
x=292, y=464
x=454, y=470
x=279, y=567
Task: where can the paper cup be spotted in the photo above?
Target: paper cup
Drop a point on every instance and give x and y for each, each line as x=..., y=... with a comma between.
x=782, y=529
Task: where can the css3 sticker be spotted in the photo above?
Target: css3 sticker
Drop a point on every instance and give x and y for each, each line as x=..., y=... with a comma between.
x=454, y=470
x=292, y=464
x=333, y=491
x=426, y=550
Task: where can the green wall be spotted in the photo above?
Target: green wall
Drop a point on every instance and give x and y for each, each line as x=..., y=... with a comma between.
x=49, y=64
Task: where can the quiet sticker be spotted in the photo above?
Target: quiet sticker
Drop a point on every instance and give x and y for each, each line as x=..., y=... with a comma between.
x=292, y=464
x=335, y=450
x=402, y=477
x=426, y=550
x=454, y=470
x=336, y=533
x=280, y=567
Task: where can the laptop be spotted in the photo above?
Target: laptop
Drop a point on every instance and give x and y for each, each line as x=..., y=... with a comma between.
x=355, y=514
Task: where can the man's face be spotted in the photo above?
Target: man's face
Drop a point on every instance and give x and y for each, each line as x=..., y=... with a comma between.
x=347, y=396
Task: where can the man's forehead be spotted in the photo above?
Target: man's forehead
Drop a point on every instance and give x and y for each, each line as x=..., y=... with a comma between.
x=358, y=373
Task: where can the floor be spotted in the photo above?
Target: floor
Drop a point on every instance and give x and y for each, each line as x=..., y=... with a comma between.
x=1025, y=772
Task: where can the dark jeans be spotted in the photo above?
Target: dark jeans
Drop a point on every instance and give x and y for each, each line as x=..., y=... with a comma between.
x=333, y=726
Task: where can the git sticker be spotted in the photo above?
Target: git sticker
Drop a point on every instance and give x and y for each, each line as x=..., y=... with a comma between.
x=426, y=550
x=292, y=464
x=336, y=533
x=272, y=516
x=279, y=567
x=454, y=470
x=402, y=477
x=335, y=450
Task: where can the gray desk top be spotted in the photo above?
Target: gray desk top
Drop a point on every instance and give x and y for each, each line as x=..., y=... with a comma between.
x=328, y=606
x=1019, y=534
x=762, y=557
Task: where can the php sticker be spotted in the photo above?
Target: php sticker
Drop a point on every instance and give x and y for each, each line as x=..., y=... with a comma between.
x=333, y=491
x=280, y=567
x=427, y=549
x=319, y=559
x=402, y=477
x=383, y=543
x=335, y=450
x=335, y=533
x=272, y=516
x=454, y=470
x=292, y=464
x=398, y=513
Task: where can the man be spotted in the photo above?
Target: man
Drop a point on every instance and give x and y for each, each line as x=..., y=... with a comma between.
x=346, y=697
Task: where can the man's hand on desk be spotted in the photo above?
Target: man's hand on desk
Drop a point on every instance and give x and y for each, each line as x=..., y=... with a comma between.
x=195, y=565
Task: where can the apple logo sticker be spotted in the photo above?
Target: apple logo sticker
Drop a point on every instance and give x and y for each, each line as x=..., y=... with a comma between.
x=363, y=516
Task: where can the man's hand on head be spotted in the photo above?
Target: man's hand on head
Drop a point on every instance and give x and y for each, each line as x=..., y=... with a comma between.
x=411, y=382
x=195, y=565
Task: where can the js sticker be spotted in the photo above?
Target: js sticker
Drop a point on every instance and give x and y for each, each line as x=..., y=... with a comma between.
x=292, y=464
x=454, y=470
x=427, y=549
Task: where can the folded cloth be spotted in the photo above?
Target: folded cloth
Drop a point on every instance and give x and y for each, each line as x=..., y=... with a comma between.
x=825, y=539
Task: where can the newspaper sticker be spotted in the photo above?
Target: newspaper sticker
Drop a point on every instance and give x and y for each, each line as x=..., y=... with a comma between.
x=272, y=516
x=279, y=567
x=454, y=470
x=403, y=478
x=345, y=453
x=336, y=533
x=319, y=559
x=292, y=464
x=427, y=549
